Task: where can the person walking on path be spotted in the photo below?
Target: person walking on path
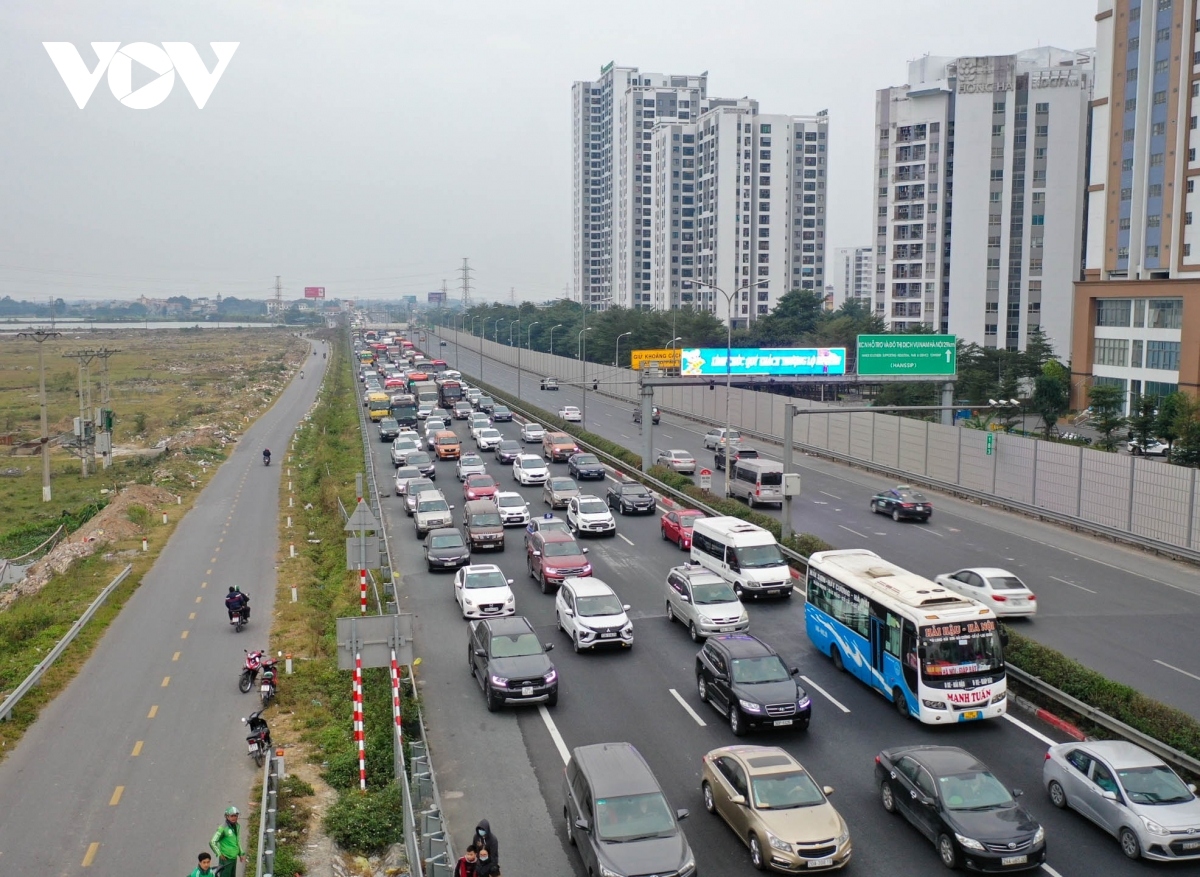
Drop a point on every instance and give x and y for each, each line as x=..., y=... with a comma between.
x=485, y=840
x=226, y=843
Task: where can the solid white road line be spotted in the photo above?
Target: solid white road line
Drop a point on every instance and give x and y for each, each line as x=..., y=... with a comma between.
x=559, y=742
x=829, y=697
x=1072, y=584
x=1050, y=870
x=1176, y=669
x=827, y=493
x=622, y=536
x=1029, y=730
x=683, y=703
x=855, y=532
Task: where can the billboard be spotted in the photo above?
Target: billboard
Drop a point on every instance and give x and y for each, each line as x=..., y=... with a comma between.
x=909, y=355
x=773, y=361
x=666, y=358
x=314, y=292
x=437, y=298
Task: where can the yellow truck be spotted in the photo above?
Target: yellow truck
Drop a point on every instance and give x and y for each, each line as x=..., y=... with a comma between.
x=378, y=406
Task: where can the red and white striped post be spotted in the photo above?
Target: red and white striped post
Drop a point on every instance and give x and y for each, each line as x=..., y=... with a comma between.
x=362, y=590
x=396, y=697
x=359, y=737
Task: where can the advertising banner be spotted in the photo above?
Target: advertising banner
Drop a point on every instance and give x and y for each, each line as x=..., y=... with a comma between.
x=666, y=358
x=314, y=292
x=775, y=361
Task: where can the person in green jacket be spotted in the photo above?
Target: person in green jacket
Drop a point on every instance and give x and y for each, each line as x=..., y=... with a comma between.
x=203, y=866
x=227, y=844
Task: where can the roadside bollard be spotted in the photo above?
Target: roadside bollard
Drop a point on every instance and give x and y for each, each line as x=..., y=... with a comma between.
x=295, y=597
x=287, y=663
x=292, y=548
x=289, y=522
x=145, y=545
x=164, y=517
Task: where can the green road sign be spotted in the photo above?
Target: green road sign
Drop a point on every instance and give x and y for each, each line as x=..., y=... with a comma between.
x=915, y=355
x=991, y=442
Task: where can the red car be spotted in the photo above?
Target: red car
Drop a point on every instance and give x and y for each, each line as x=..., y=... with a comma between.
x=480, y=487
x=677, y=526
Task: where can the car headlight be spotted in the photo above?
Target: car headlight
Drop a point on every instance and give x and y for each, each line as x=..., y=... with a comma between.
x=1039, y=836
x=627, y=630
x=777, y=844
x=745, y=617
x=844, y=836
x=587, y=569
x=467, y=601
x=999, y=697
x=933, y=704
x=550, y=677
x=688, y=866
x=609, y=872
x=969, y=842
x=1153, y=827
x=750, y=706
x=499, y=680
x=586, y=632
x=804, y=703
x=511, y=599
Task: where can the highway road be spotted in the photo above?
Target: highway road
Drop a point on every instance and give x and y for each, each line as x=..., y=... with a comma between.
x=507, y=766
x=1125, y=613
x=129, y=769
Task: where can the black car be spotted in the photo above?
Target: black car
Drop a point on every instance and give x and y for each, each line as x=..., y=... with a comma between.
x=739, y=453
x=486, y=404
x=585, y=466
x=445, y=549
x=388, y=429
x=637, y=414
x=746, y=680
x=952, y=798
x=902, y=501
x=629, y=498
x=439, y=414
x=510, y=663
x=501, y=412
x=424, y=462
x=508, y=450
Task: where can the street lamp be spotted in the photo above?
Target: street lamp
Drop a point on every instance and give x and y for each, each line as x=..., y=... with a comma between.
x=496, y=335
x=580, y=350
x=671, y=343
x=729, y=297
x=528, y=341
x=511, y=325
x=617, y=354
x=552, y=328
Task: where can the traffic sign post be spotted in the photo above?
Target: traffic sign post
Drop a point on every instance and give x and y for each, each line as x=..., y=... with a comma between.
x=706, y=479
x=991, y=442
x=667, y=358
x=914, y=356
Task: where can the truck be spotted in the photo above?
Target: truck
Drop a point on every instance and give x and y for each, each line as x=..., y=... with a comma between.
x=425, y=391
x=404, y=409
x=449, y=392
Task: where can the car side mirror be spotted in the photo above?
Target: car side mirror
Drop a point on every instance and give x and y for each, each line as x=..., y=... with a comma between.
x=685, y=598
x=1192, y=788
x=480, y=653
x=740, y=800
x=582, y=825
x=625, y=606
x=452, y=507
x=683, y=813
x=536, y=553
x=510, y=581
x=923, y=799
x=570, y=613
x=1111, y=796
x=1016, y=793
x=585, y=551
x=549, y=646
x=795, y=671
x=828, y=790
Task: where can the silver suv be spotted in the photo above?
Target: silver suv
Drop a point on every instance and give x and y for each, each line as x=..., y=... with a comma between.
x=432, y=512
x=704, y=602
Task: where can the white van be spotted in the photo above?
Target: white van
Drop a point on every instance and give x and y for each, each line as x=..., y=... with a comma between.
x=757, y=481
x=745, y=555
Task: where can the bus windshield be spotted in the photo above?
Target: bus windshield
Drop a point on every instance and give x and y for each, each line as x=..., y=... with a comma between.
x=958, y=648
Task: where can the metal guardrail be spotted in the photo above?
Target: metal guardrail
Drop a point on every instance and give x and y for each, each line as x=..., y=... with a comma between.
x=267, y=813
x=34, y=677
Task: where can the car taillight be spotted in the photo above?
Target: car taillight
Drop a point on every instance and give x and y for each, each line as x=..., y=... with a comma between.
x=906, y=505
x=877, y=759
x=1047, y=755
x=1032, y=597
x=999, y=599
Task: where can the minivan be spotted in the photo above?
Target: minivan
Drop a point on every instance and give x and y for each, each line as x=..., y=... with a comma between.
x=745, y=555
x=618, y=817
x=482, y=525
x=757, y=481
x=447, y=445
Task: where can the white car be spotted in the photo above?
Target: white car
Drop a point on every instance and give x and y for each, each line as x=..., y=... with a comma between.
x=590, y=613
x=401, y=448
x=570, y=413
x=423, y=409
x=477, y=423
x=998, y=589
x=407, y=432
x=482, y=591
x=715, y=438
x=473, y=395
x=487, y=439
x=532, y=432
x=530, y=469
x=470, y=464
x=514, y=511
x=587, y=514
x=404, y=475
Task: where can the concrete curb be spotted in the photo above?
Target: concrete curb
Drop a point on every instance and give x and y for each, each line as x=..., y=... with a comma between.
x=1049, y=718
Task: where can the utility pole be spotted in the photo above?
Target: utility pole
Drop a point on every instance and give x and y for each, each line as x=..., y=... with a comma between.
x=278, y=299
x=465, y=271
x=41, y=336
x=104, y=417
x=84, y=421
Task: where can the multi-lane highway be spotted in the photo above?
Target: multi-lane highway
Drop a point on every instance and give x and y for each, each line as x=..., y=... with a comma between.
x=129, y=769
x=508, y=766
x=1127, y=614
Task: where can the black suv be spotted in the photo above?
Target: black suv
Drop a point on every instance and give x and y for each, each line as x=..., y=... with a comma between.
x=629, y=497
x=585, y=466
x=510, y=663
x=739, y=453
x=745, y=679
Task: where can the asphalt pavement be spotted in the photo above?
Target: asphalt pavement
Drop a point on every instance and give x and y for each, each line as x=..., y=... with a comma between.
x=129, y=769
x=508, y=766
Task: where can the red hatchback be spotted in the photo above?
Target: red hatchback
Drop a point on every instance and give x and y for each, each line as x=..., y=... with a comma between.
x=480, y=487
x=677, y=526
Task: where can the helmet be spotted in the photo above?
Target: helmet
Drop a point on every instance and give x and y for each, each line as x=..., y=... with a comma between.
x=231, y=811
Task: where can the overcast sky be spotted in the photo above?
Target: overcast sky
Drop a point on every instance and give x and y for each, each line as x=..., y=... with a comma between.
x=368, y=147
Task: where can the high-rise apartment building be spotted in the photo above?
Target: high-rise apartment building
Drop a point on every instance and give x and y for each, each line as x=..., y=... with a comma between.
x=1137, y=310
x=979, y=201
x=852, y=273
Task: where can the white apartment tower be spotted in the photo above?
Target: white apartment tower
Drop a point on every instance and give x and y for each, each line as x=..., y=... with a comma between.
x=853, y=275
x=980, y=176
x=612, y=121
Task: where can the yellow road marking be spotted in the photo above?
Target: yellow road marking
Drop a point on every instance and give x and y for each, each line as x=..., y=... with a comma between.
x=153, y=711
x=183, y=635
x=90, y=855
x=191, y=616
x=137, y=749
x=198, y=599
x=116, y=796
x=166, y=681
x=175, y=657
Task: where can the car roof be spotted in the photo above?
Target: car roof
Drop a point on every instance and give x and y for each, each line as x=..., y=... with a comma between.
x=697, y=573
x=505, y=493
x=586, y=586
x=529, y=457
x=513, y=624
x=481, y=567
x=761, y=759
x=990, y=572
x=941, y=760
x=678, y=451
x=426, y=495
x=742, y=645
x=555, y=536
x=584, y=496
x=1120, y=754
x=615, y=769
x=445, y=531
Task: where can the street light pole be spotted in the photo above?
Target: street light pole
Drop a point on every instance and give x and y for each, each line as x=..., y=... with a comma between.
x=552, y=328
x=511, y=326
x=582, y=349
x=482, y=338
x=617, y=354
x=671, y=343
x=496, y=335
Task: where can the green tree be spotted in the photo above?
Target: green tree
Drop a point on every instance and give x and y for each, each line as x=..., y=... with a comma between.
x=1168, y=412
x=1186, y=451
x=1038, y=351
x=1108, y=403
x=794, y=319
x=1050, y=399
x=1144, y=418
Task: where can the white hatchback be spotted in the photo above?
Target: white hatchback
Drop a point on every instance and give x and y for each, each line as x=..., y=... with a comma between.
x=530, y=469
x=482, y=591
x=591, y=614
x=998, y=589
x=488, y=438
x=514, y=510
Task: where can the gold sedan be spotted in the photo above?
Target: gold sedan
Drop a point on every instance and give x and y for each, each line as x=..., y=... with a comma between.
x=776, y=808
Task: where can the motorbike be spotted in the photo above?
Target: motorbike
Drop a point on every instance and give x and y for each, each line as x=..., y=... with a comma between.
x=258, y=742
x=254, y=660
x=267, y=689
x=266, y=459
x=301, y=375
x=240, y=618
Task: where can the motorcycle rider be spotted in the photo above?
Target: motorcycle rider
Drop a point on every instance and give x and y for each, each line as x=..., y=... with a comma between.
x=235, y=602
x=203, y=865
x=301, y=374
x=267, y=456
x=227, y=844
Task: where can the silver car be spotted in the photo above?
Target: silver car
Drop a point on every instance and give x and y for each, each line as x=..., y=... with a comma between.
x=557, y=491
x=1128, y=792
x=704, y=602
x=679, y=461
x=532, y=432
x=469, y=464
x=412, y=489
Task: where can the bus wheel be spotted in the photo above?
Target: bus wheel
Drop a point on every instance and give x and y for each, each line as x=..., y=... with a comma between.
x=836, y=657
x=901, y=702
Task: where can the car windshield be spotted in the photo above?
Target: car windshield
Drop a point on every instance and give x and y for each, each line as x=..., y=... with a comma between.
x=953, y=650
x=510, y=501
x=518, y=646
x=491, y=579
x=563, y=484
x=634, y=490
x=404, y=445
x=560, y=549
x=415, y=486
x=1006, y=583
x=634, y=817
x=759, y=556
x=533, y=427
x=418, y=459
x=448, y=439
x=489, y=433
x=433, y=505
x=501, y=409
x=405, y=472
x=974, y=790
x=447, y=541
x=533, y=463
x=389, y=423
x=486, y=519
x=765, y=668
x=592, y=507
x=555, y=526
x=586, y=460
x=471, y=460
x=1154, y=785
x=603, y=604
x=710, y=593
x=784, y=791
x=481, y=481
x=687, y=522
x=510, y=445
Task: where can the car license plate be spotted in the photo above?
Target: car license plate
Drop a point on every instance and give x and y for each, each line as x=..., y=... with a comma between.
x=527, y=691
x=820, y=863
x=607, y=635
x=973, y=714
x=773, y=591
x=1191, y=844
x=1014, y=860
x=1018, y=601
x=780, y=723
x=726, y=629
x=265, y=688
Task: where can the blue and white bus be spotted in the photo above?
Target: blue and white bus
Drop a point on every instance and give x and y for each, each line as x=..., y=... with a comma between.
x=934, y=654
